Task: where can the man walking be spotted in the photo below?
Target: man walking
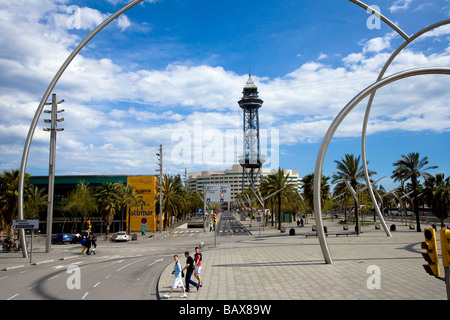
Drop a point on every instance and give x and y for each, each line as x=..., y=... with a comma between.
x=198, y=266
x=189, y=270
x=177, y=281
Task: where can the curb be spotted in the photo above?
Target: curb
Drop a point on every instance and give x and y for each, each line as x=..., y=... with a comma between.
x=13, y=267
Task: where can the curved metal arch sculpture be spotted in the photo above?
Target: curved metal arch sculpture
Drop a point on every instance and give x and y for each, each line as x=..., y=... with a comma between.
x=42, y=104
x=78, y=49
x=369, y=105
x=332, y=129
x=343, y=113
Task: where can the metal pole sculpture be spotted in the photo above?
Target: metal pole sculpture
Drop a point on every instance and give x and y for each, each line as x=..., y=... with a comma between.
x=44, y=99
x=322, y=151
x=366, y=118
x=332, y=129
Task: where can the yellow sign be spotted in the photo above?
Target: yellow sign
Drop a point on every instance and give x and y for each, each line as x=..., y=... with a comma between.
x=143, y=217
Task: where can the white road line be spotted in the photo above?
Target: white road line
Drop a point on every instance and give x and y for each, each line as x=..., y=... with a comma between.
x=130, y=264
x=159, y=260
x=53, y=277
x=13, y=296
x=85, y=295
x=97, y=284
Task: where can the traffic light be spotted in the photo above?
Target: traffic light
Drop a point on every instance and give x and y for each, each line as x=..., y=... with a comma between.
x=215, y=218
x=431, y=256
x=445, y=247
x=89, y=225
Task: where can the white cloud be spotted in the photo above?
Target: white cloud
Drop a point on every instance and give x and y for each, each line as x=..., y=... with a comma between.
x=114, y=115
x=400, y=5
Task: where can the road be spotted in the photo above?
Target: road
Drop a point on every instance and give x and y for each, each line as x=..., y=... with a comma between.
x=229, y=226
x=125, y=271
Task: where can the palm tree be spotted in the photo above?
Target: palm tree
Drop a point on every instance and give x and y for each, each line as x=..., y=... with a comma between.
x=308, y=190
x=172, y=199
x=81, y=201
x=410, y=167
x=108, y=201
x=35, y=199
x=350, y=169
x=126, y=197
x=437, y=195
x=278, y=181
x=9, y=191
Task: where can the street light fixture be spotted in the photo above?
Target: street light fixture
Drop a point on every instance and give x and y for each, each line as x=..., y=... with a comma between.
x=51, y=170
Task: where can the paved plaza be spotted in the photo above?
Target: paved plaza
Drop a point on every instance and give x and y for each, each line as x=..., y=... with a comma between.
x=279, y=266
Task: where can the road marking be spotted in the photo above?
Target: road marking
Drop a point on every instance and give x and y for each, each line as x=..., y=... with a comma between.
x=85, y=295
x=109, y=275
x=159, y=260
x=33, y=286
x=130, y=264
x=53, y=277
x=13, y=296
x=97, y=284
x=4, y=277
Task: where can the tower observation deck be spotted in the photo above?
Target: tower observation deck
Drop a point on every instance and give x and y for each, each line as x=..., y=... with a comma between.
x=251, y=160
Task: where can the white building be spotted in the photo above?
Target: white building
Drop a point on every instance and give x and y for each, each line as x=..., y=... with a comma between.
x=232, y=177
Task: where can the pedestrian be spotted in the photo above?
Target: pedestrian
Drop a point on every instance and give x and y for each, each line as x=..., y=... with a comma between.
x=93, y=243
x=83, y=244
x=189, y=271
x=198, y=266
x=177, y=281
x=88, y=244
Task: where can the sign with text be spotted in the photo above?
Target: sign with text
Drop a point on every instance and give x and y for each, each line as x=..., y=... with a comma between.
x=217, y=193
x=25, y=224
x=143, y=213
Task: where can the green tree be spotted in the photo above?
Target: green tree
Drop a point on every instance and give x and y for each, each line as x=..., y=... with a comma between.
x=437, y=195
x=411, y=167
x=350, y=169
x=308, y=190
x=82, y=201
x=278, y=181
x=172, y=197
x=35, y=199
x=108, y=202
x=126, y=197
x=9, y=197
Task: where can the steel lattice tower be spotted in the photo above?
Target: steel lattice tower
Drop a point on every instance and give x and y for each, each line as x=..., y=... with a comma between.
x=251, y=160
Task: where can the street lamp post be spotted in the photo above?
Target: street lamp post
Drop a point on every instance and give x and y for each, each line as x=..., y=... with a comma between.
x=160, y=169
x=51, y=168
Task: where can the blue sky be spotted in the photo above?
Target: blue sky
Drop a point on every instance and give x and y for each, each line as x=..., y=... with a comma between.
x=171, y=72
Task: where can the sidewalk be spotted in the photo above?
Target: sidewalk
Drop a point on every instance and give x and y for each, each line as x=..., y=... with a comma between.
x=279, y=266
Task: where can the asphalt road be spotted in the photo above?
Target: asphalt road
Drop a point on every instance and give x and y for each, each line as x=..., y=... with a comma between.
x=125, y=271
x=230, y=226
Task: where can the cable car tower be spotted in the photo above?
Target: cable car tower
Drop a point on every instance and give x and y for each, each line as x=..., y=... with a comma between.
x=251, y=160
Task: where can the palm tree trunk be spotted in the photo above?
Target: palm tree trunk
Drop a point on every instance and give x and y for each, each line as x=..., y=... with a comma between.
x=279, y=211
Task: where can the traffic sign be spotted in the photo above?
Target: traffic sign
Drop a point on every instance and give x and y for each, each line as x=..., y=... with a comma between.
x=217, y=193
x=25, y=224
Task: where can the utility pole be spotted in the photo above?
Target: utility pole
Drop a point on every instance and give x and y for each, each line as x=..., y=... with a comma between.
x=51, y=168
x=160, y=163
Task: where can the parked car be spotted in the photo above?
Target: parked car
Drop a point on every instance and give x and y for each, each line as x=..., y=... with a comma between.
x=120, y=236
x=62, y=238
